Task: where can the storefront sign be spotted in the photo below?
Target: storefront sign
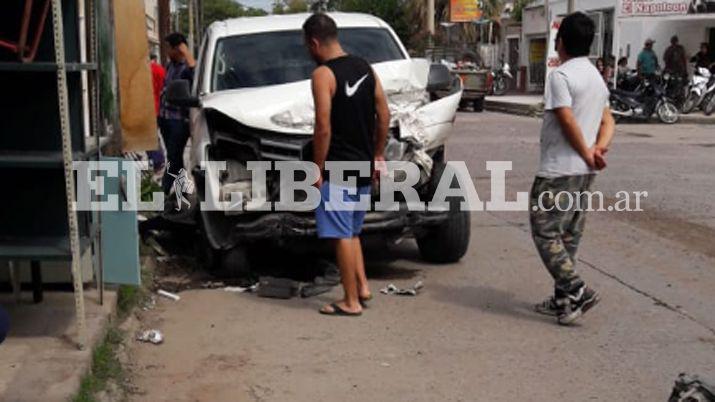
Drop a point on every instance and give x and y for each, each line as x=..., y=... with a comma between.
x=464, y=10
x=653, y=8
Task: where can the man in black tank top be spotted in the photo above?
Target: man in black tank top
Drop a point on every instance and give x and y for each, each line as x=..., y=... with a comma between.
x=351, y=123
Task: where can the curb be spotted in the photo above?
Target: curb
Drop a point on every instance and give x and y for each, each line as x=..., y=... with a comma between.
x=520, y=109
x=537, y=110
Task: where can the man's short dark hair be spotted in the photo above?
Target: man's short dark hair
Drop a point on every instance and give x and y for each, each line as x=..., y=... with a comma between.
x=577, y=31
x=321, y=27
x=674, y=39
x=175, y=39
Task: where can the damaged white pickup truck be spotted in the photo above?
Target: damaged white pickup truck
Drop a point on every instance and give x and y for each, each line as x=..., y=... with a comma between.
x=251, y=101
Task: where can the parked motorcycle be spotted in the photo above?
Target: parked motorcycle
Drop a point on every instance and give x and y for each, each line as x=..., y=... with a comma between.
x=501, y=77
x=648, y=99
x=675, y=87
x=701, y=91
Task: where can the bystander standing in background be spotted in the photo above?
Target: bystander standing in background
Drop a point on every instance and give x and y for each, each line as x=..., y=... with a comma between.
x=174, y=120
x=674, y=58
x=647, y=60
x=157, y=79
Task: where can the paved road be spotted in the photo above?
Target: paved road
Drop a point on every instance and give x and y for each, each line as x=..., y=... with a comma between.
x=471, y=336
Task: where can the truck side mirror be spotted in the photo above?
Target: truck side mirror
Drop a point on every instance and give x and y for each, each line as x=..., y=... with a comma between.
x=439, y=78
x=178, y=93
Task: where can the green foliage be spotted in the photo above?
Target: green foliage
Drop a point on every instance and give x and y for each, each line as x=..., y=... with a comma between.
x=105, y=367
x=216, y=10
x=394, y=12
x=518, y=11
x=290, y=6
x=148, y=188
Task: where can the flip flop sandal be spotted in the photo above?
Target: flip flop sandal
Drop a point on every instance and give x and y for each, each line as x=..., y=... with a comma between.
x=364, y=300
x=337, y=311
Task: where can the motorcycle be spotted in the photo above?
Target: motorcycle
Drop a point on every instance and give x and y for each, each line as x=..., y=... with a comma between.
x=501, y=79
x=701, y=91
x=646, y=100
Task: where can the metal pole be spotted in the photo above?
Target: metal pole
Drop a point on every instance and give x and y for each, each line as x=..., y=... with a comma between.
x=164, y=28
x=571, y=6
x=430, y=19
x=191, y=26
x=547, y=17
x=58, y=30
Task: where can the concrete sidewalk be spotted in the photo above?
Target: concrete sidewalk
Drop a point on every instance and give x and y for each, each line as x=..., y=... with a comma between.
x=533, y=105
x=39, y=361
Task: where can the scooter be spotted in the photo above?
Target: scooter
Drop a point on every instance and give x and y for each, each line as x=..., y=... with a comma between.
x=701, y=89
x=648, y=99
x=501, y=79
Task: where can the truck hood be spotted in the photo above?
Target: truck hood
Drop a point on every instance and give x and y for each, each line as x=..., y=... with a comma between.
x=288, y=108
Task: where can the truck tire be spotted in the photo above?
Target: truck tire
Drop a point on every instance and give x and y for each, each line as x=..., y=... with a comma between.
x=478, y=105
x=448, y=241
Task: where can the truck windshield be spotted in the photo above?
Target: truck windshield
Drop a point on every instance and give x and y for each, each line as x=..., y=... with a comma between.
x=274, y=58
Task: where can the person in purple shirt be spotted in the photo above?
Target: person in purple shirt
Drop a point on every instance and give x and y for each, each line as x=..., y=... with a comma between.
x=174, y=120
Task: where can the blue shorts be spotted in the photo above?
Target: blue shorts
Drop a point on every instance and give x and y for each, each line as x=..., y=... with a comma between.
x=339, y=217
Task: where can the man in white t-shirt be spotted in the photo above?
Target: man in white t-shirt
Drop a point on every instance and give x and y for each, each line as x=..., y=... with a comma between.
x=575, y=136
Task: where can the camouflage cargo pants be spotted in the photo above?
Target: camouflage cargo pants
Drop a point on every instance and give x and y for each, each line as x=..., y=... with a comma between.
x=556, y=226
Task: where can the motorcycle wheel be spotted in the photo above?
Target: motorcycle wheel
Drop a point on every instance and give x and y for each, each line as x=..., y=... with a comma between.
x=499, y=86
x=667, y=112
x=709, y=107
x=690, y=103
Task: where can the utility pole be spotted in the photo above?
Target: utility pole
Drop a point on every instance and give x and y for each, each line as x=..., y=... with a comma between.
x=164, y=28
x=571, y=6
x=547, y=17
x=430, y=20
x=191, y=26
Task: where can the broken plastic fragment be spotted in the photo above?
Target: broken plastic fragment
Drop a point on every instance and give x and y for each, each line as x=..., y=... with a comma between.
x=168, y=295
x=151, y=336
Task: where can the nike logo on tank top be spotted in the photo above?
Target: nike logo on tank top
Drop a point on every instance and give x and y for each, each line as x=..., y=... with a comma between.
x=352, y=114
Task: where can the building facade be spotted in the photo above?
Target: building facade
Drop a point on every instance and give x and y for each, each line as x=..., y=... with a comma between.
x=615, y=37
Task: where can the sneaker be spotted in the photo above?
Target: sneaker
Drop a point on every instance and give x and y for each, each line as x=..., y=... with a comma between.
x=574, y=305
x=547, y=307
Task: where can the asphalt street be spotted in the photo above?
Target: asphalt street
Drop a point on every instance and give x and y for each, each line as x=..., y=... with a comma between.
x=471, y=335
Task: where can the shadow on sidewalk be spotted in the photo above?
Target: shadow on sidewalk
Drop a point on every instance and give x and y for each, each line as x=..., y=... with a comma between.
x=489, y=300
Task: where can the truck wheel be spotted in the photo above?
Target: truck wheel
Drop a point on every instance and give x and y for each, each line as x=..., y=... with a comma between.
x=208, y=257
x=448, y=241
x=478, y=105
x=234, y=263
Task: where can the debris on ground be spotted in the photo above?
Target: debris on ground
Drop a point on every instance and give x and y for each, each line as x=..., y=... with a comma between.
x=168, y=295
x=151, y=336
x=278, y=288
x=391, y=289
x=213, y=285
x=692, y=388
x=149, y=304
x=241, y=289
x=321, y=284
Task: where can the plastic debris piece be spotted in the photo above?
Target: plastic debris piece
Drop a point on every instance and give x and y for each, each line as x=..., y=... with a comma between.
x=151, y=336
x=391, y=289
x=149, y=304
x=168, y=295
x=241, y=289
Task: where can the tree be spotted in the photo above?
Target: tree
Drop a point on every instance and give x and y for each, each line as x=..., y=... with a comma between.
x=518, y=10
x=216, y=10
x=394, y=12
x=290, y=6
